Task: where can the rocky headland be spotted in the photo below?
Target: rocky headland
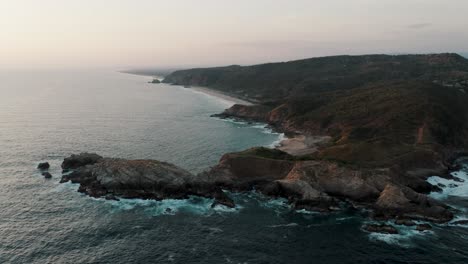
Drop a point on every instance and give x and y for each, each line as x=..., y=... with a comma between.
x=369, y=131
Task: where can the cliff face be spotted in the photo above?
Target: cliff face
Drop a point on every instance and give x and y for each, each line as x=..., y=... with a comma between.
x=320, y=185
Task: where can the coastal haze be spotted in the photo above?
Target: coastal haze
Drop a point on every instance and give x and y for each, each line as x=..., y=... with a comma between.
x=311, y=151
x=128, y=34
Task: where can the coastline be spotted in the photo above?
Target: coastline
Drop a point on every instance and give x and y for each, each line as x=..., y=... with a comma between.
x=297, y=145
x=221, y=95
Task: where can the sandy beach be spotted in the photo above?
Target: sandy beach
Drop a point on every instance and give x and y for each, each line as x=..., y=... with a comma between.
x=302, y=145
x=221, y=95
x=298, y=145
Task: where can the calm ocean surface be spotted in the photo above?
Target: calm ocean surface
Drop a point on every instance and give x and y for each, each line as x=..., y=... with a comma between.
x=46, y=116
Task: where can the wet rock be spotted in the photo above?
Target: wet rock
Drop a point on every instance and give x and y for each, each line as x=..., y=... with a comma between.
x=402, y=202
x=382, y=228
x=47, y=175
x=423, y=227
x=458, y=179
x=460, y=222
x=111, y=197
x=43, y=166
x=222, y=199
x=405, y=222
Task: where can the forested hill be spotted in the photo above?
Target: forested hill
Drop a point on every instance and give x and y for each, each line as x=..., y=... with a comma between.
x=377, y=108
x=276, y=81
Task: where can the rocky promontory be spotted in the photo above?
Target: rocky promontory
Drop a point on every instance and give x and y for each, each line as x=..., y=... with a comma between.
x=307, y=184
x=387, y=124
x=147, y=179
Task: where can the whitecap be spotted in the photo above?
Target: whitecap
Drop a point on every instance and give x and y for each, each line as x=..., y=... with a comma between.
x=215, y=230
x=450, y=187
x=277, y=142
x=284, y=225
x=193, y=205
x=404, y=238
x=264, y=127
x=307, y=212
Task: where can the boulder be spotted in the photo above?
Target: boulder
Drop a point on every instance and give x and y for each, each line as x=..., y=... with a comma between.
x=402, y=202
x=43, y=166
x=460, y=222
x=47, y=175
x=380, y=228
x=423, y=227
x=405, y=222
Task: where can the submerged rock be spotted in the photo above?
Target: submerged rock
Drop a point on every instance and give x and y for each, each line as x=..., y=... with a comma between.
x=43, y=166
x=382, y=228
x=405, y=222
x=460, y=222
x=47, y=175
x=423, y=227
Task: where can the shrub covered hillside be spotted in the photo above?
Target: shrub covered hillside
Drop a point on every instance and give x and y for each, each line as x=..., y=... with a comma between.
x=379, y=109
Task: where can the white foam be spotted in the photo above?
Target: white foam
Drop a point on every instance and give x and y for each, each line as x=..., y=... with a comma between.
x=219, y=99
x=194, y=205
x=67, y=186
x=284, y=225
x=277, y=142
x=404, y=238
x=452, y=187
x=307, y=212
x=265, y=129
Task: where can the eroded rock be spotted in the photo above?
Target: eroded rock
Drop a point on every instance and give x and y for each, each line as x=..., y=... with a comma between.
x=380, y=228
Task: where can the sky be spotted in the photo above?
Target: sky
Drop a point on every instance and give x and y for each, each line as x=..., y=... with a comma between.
x=174, y=33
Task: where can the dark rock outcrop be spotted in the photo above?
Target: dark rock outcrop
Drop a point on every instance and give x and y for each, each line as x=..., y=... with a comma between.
x=43, y=166
x=405, y=222
x=77, y=161
x=382, y=228
x=319, y=185
x=146, y=179
x=460, y=222
x=256, y=113
x=423, y=227
x=47, y=175
x=401, y=201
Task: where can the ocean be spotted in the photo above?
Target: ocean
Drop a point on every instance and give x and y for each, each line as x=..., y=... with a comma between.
x=48, y=115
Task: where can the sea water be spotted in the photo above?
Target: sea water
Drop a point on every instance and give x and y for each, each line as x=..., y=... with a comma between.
x=48, y=115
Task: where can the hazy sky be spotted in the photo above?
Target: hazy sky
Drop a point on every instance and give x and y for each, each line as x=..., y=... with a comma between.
x=128, y=33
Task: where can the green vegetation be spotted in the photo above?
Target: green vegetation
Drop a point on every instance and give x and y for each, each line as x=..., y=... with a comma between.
x=377, y=108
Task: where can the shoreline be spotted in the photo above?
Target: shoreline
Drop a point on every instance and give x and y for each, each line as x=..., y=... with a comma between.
x=219, y=94
x=297, y=145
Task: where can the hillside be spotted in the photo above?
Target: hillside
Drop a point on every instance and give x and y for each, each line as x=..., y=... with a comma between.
x=275, y=81
x=377, y=108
